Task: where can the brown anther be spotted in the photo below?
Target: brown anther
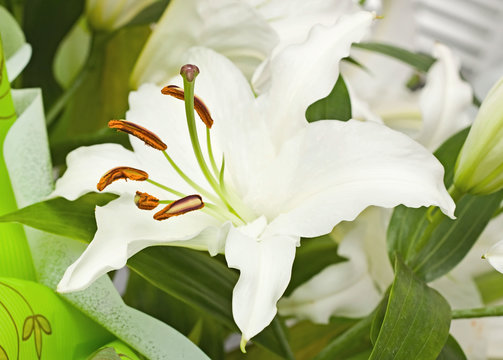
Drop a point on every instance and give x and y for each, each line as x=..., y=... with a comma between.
x=145, y=201
x=199, y=105
x=180, y=207
x=148, y=137
x=121, y=172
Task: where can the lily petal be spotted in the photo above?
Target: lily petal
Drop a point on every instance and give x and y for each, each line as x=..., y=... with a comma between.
x=265, y=265
x=87, y=164
x=336, y=169
x=293, y=19
x=444, y=101
x=301, y=74
x=230, y=27
x=124, y=230
x=495, y=256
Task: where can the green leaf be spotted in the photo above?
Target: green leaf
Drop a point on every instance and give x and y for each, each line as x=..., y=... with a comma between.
x=416, y=324
x=73, y=219
x=306, y=339
x=433, y=248
x=451, y=350
x=28, y=327
x=145, y=297
x=45, y=23
x=313, y=256
x=72, y=53
x=336, y=106
x=420, y=61
x=43, y=323
x=202, y=282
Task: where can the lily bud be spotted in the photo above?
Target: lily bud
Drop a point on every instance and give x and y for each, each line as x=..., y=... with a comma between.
x=109, y=15
x=479, y=167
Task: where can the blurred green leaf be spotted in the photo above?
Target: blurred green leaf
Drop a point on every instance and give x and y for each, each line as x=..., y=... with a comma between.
x=100, y=92
x=150, y=14
x=416, y=324
x=490, y=286
x=432, y=248
x=336, y=106
x=451, y=350
x=202, y=282
x=313, y=256
x=145, y=297
x=72, y=53
x=45, y=24
x=73, y=219
x=420, y=61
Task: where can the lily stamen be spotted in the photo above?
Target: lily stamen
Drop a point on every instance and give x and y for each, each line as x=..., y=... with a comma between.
x=180, y=207
x=148, y=137
x=145, y=201
x=201, y=109
x=121, y=172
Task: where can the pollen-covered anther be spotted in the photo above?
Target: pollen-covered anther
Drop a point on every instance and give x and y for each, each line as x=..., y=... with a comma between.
x=121, y=172
x=148, y=137
x=180, y=207
x=199, y=105
x=145, y=201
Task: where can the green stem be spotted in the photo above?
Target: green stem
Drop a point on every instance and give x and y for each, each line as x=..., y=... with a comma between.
x=15, y=256
x=496, y=310
x=210, y=153
x=159, y=185
x=191, y=124
x=188, y=180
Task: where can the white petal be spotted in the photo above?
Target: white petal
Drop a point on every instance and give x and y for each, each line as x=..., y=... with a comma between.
x=495, y=256
x=86, y=165
x=302, y=74
x=293, y=19
x=123, y=230
x=344, y=289
x=265, y=265
x=230, y=27
x=444, y=101
x=333, y=170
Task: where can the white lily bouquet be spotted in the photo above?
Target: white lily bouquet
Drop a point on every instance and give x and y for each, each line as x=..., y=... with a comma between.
x=243, y=179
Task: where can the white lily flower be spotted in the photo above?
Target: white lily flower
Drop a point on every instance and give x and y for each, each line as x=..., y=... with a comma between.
x=430, y=115
x=246, y=31
x=283, y=178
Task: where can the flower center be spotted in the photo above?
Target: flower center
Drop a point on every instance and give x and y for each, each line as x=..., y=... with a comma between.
x=221, y=202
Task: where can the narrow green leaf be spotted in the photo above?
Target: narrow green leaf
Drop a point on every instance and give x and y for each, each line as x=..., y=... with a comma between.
x=433, y=249
x=451, y=350
x=73, y=219
x=313, y=256
x=416, y=324
x=336, y=106
x=420, y=61
x=202, y=282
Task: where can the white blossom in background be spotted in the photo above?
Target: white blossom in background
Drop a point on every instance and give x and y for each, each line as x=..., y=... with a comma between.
x=283, y=178
x=247, y=32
